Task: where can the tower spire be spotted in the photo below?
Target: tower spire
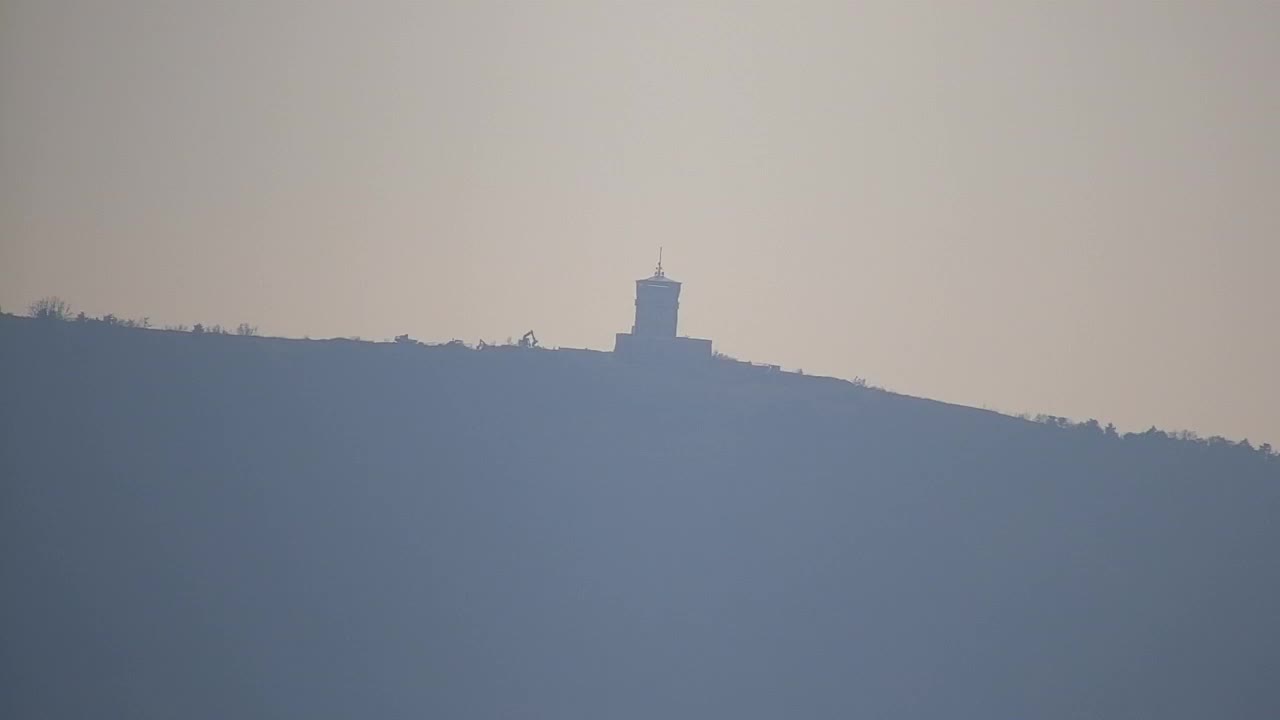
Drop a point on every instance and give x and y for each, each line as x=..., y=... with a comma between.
x=658, y=270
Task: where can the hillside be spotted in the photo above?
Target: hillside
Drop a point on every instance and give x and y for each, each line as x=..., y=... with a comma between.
x=205, y=526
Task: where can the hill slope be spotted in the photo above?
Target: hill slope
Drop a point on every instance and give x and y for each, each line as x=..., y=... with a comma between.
x=210, y=526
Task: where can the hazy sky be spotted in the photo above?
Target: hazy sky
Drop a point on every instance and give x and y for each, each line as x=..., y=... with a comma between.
x=1065, y=207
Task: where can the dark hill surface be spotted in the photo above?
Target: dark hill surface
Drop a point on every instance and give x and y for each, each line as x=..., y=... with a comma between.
x=225, y=527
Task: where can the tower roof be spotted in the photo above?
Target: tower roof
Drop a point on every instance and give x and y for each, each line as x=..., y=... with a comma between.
x=656, y=278
x=659, y=276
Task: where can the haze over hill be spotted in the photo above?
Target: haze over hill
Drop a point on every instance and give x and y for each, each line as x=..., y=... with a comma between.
x=216, y=526
x=1060, y=207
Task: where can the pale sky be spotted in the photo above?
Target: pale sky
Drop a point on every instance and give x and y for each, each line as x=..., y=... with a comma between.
x=1070, y=208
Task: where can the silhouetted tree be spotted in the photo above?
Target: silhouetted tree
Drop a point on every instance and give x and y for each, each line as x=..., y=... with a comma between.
x=1090, y=425
x=50, y=308
x=246, y=330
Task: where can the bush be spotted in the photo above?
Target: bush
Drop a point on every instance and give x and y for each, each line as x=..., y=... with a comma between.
x=50, y=308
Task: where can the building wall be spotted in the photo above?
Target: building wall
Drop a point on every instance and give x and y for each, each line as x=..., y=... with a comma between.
x=657, y=308
x=639, y=347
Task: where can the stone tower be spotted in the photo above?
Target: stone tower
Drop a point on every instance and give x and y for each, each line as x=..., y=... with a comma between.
x=657, y=305
x=653, y=336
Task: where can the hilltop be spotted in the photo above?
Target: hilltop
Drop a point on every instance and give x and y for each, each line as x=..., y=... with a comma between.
x=220, y=526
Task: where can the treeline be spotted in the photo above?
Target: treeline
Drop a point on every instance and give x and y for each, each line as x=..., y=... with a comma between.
x=1154, y=435
x=57, y=309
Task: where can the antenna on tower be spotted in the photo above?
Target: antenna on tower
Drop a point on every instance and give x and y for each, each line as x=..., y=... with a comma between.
x=658, y=271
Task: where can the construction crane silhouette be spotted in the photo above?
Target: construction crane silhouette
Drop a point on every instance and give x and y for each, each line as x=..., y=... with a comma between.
x=529, y=340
